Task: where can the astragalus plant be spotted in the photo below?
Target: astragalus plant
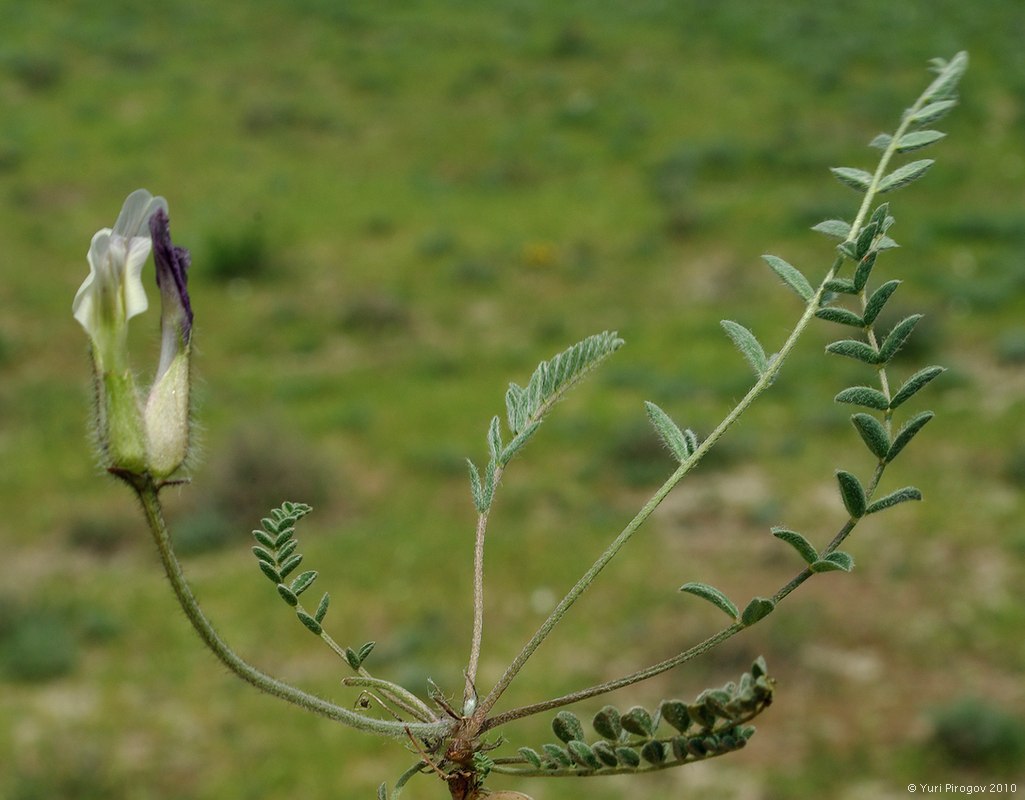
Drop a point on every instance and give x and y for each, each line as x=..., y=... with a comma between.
x=457, y=734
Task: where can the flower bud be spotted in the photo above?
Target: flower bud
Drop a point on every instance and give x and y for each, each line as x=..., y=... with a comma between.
x=167, y=407
x=137, y=437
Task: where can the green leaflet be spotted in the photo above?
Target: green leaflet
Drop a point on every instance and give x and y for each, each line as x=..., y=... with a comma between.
x=840, y=316
x=875, y=303
x=669, y=432
x=607, y=723
x=913, y=384
x=907, y=433
x=917, y=139
x=851, y=348
x=873, y=434
x=837, y=560
x=638, y=722
x=896, y=337
x=857, y=179
x=852, y=494
x=803, y=547
x=311, y=624
x=894, y=498
x=713, y=596
x=791, y=276
x=566, y=726
x=836, y=228
x=748, y=345
x=881, y=141
x=758, y=609
x=933, y=112
x=904, y=175
x=863, y=396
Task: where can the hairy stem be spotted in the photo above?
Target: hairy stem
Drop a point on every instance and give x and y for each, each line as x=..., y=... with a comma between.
x=470, y=691
x=147, y=492
x=763, y=383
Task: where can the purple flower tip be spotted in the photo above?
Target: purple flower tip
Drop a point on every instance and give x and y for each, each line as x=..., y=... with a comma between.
x=172, y=267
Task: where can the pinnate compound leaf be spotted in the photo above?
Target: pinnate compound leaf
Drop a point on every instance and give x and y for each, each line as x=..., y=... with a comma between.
x=895, y=339
x=907, y=433
x=863, y=396
x=904, y=175
x=852, y=493
x=894, y=498
x=840, y=316
x=758, y=609
x=803, y=547
x=791, y=276
x=873, y=433
x=917, y=139
x=669, y=432
x=857, y=179
x=747, y=344
x=859, y=351
x=553, y=378
x=833, y=227
x=713, y=596
x=878, y=299
x=913, y=384
x=837, y=560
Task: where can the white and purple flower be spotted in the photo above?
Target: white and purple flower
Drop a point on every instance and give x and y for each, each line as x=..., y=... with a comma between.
x=138, y=437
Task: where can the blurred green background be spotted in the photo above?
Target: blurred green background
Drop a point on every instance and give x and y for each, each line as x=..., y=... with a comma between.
x=396, y=208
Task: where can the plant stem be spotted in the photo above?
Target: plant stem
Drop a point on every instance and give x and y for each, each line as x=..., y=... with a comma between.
x=470, y=691
x=147, y=492
x=763, y=383
x=609, y=686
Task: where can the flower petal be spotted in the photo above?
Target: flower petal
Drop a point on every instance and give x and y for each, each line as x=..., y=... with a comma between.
x=139, y=206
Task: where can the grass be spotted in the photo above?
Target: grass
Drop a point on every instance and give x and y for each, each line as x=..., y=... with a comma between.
x=439, y=196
